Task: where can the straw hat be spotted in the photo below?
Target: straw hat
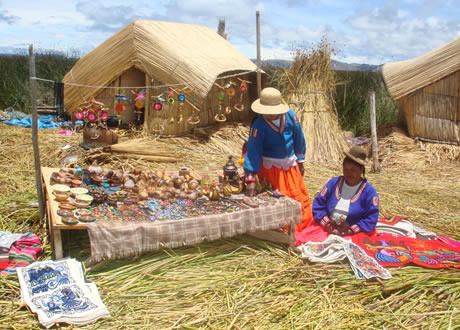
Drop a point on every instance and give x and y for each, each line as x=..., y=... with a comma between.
x=357, y=154
x=269, y=103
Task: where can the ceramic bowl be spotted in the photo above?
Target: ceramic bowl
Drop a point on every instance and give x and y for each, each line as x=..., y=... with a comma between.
x=76, y=183
x=69, y=220
x=60, y=187
x=82, y=204
x=66, y=206
x=84, y=198
x=78, y=191
x=61, y=195
x=87, y=218
x=83, y=211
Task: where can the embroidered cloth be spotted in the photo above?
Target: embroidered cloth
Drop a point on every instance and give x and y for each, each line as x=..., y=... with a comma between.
x=116, y=240
x=336, y=248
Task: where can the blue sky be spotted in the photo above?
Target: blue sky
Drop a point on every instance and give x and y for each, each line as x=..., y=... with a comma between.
x=360, y=31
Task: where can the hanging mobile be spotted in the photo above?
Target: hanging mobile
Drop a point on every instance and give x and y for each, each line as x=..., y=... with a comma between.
x=119, y=107
x=181, y=98
x=243, y=89
x=220, y=117
x=194, y=119
x=230, y=93
x=171, y=101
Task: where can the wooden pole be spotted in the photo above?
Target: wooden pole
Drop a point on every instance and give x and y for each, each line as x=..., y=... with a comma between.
x=375, y=147
x=259, y=78
x=33, y=93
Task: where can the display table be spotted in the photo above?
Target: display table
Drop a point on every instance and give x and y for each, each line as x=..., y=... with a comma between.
x=120, y=239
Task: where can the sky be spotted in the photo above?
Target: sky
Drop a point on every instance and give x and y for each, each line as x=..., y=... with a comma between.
x=359, y=31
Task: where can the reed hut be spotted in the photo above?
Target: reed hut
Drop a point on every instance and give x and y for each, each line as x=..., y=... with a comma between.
x=167, y=60
x=427, y=89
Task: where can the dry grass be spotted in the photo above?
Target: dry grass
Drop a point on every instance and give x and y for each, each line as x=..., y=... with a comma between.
x=308, y=86
x=243, y=282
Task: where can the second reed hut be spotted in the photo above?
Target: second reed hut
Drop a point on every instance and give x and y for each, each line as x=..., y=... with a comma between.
x=427, y=89
x=166, y=59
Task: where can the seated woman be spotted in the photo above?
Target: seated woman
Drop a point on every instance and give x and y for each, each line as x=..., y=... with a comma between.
x=348, y=204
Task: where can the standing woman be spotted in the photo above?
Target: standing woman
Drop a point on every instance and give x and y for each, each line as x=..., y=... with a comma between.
x=276, y=151
x=348, y=204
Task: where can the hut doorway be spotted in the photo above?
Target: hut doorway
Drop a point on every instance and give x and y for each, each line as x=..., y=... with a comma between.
x=133, y=114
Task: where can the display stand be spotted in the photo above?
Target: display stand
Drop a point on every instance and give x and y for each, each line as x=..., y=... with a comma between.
x=56, y=226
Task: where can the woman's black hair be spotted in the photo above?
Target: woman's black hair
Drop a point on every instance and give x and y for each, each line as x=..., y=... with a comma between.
x=351, y=161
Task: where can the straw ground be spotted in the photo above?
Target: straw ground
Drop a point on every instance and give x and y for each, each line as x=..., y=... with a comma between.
x=245, y=283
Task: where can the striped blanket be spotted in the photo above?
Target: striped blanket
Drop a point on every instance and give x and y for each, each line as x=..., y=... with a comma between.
x=22, y=253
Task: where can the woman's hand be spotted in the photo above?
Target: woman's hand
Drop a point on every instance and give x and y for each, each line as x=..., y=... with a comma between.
x=250, y=188
x=330, y=228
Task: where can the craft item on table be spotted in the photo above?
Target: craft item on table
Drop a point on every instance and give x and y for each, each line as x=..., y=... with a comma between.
x=69, y=220
x=78, y=191
x=104, y=212
x=99, y=194
x=86, y=218
x=61, y=195
x=24, y=251
x=76, y=183
x=80, y=212
x=67, y=206
x=336, y=248
x=112, y=200
x=64, y=213
x=57, y=292
x=60, y=188
x=395, y=251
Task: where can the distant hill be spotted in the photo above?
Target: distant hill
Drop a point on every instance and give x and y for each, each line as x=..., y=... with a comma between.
x=336, y=65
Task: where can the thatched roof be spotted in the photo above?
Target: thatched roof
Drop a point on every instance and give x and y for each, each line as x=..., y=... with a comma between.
x=171, y=53
x=405, y=77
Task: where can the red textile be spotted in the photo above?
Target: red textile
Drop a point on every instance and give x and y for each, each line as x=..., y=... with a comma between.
x=395, y=251
x=290, y=183
x=22, y=253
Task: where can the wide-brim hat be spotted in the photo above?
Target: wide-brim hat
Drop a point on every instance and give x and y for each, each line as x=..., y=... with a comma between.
x=357, y=154
x=270, y=103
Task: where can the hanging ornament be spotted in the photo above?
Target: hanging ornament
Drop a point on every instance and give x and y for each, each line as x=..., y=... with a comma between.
x=230, y=93
x=85, y=113
x=79, y=115
x=139, y=104
x=193, y=120
x=157, y=106
x=104, y=115
x=92, y=116
x=243, y=89
x=120, y=107
x=181, y=98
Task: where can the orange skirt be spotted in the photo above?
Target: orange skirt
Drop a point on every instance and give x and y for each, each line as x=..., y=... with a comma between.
x=290, y=183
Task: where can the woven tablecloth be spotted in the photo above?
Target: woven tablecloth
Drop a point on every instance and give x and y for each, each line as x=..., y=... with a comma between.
x=110, y=240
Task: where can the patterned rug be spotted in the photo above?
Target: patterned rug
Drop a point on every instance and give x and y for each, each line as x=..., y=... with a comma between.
x=22, y=253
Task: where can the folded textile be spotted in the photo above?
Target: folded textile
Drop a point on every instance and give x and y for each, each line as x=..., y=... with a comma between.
x=58, y=293
x=7, y=238
x=43, y=122
x=336, y=248
x=22, y=252
x=404, y=227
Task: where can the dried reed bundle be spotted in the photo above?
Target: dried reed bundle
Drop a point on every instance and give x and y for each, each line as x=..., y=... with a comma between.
x=308, y=86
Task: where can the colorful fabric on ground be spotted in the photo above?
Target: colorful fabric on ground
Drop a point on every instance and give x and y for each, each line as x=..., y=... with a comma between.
x=395, y=251
x=364, y=205
x=336, y=248
x=23, y=252
x=290, y=183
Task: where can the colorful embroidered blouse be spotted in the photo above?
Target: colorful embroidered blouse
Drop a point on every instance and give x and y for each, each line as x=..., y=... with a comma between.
x=364, y=205
x=268, y=140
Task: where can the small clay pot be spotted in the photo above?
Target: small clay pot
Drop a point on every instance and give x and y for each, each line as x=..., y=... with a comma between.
x=61, y=195
x=76, y=183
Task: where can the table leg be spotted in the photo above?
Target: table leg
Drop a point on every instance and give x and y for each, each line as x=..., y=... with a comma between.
x=292, y=235
x=57, y=244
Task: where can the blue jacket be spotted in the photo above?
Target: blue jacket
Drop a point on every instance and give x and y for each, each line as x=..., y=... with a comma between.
x=265, y=139
x=364, y=205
